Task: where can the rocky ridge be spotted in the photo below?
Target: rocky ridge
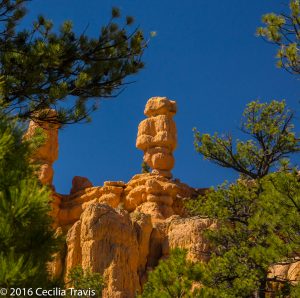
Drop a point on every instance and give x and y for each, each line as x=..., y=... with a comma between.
x=122, y=230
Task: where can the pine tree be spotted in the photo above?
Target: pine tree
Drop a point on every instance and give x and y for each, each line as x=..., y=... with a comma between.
x=272, y=140
x=283, y=30
x=88, y=281
x=259, y=224
x=173, y=278
x=27, y=240
x=259, y=215
x=43, y=68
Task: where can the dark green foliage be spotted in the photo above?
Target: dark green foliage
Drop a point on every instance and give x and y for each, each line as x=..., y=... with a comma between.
x=27, y=240
x=284, y=31
x=295, y=292
x=43, y=68
x=172, y=278
x=272, y=139
x=85, y=280
x=259, y=224
x=145, y=168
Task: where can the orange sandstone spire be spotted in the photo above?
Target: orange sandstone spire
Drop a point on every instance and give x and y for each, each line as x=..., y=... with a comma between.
x=157, y=135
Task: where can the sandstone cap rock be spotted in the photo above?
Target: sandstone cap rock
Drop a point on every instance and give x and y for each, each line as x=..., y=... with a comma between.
x=160, y=106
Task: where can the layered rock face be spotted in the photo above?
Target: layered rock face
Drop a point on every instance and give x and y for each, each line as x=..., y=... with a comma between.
x=121, y=230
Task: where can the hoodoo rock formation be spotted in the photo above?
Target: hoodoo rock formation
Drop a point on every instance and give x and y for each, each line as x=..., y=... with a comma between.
x=157, y=135
x=121, y=230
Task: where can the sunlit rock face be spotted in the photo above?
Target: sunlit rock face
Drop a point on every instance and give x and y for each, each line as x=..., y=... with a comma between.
x=122, y=230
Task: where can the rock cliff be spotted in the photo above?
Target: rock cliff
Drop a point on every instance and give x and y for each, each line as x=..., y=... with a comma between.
x=122, y=230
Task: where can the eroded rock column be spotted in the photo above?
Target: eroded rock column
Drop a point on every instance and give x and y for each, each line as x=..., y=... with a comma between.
x=104, y=240
x=47, y=154
x=157, y=135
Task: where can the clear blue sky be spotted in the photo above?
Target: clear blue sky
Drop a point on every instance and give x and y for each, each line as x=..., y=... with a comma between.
x=205, y=56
